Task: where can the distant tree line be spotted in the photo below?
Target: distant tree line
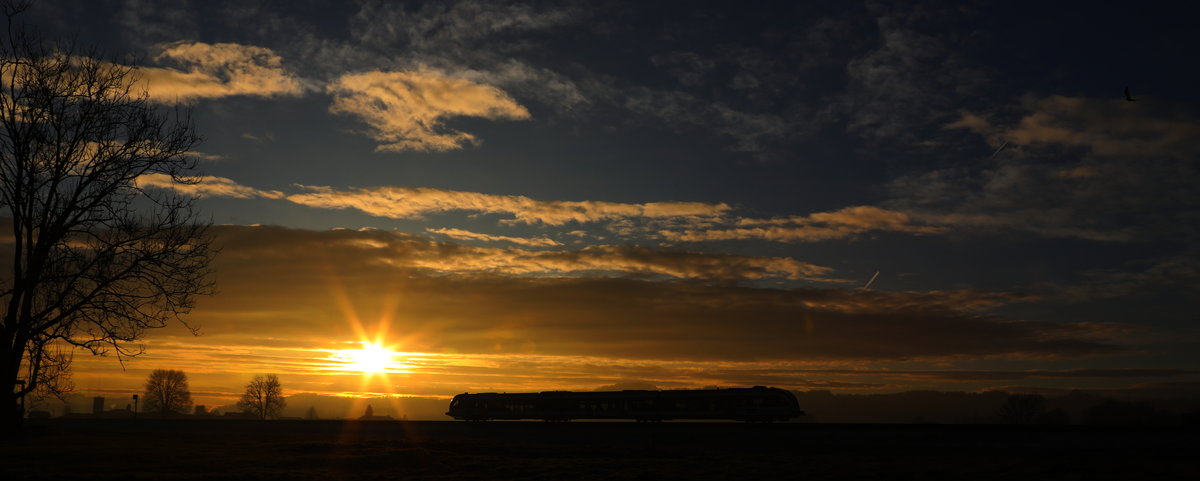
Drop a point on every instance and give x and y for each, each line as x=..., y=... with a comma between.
x=167, y=394
x=263, y=399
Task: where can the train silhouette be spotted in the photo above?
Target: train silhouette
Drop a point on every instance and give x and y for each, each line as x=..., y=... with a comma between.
x=756, y=404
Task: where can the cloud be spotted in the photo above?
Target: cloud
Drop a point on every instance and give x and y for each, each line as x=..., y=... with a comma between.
x=754, y=131
x=418, y=254
x=207, y=186
x=414, y=202
x=407, y=110
x=461, y=234
x=914, y=77
x=701, y=221
x=1102, y=126
x=1096, y=169
x=262, y=138
x=410, y=252
x=446, y=296
x=216, y=70
x=483, y=42
x=840, y=224
x=1179, y=271
x=975, y=375
x=648, y=261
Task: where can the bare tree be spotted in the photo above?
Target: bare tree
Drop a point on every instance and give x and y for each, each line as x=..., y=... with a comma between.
x=167, y=392
x=93, y=259
x=263, y=397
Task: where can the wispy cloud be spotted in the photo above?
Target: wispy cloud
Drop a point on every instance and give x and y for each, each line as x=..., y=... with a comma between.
x=416, y=253
x=413, y=202
x=483, y=42
x=914, y=77
x=199, y=70
x=419, y=254
x=1088, y=168
x=840, y=224
x=407, y=110
x=461, y=234
x=1103, y=126
x=211, y=186
x=1178, y=271
x=674, y=221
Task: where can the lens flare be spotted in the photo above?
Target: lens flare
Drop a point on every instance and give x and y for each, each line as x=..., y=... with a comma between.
x=371, y=359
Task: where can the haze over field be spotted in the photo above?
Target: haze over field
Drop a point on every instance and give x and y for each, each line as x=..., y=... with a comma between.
x=431, y=198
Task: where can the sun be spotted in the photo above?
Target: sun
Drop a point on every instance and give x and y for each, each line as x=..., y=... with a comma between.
x=371, y=359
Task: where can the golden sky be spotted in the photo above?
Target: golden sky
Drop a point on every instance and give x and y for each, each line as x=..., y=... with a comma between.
x=515, y=196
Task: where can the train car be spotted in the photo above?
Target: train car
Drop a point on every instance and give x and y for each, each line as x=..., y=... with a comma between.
x=756, y=404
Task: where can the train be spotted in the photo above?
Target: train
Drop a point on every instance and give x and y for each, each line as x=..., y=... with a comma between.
x=755, y=404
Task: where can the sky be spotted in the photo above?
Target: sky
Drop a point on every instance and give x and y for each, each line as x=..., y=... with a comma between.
x=855, y=197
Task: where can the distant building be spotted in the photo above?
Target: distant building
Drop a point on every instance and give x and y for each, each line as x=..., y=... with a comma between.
x=200, y=410
x=370, y=416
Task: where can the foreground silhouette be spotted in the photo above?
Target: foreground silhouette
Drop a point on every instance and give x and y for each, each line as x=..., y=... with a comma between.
x=94, y=259
x=249, y=449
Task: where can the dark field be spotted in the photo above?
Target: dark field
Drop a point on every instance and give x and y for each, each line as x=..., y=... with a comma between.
x=329, y=450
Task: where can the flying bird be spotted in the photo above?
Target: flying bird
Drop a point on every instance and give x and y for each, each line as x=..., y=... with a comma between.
x=1129, y=98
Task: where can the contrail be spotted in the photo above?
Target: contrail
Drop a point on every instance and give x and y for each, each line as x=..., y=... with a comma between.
x=997, y=152
x=868, y=286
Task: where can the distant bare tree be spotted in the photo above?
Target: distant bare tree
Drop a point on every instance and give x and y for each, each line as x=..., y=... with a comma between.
x=263, y=397
x=93, y=260
x=1022, y=408
x=167, y=392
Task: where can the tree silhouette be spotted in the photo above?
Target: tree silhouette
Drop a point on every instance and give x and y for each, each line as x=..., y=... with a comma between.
x=167, y=392
x=1022, y=408
x=93, y=259
x=263, y=397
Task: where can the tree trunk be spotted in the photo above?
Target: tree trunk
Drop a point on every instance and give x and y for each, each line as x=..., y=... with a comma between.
x=12, y=416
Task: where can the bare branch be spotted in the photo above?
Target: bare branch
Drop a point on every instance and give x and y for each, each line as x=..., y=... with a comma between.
x=95, y=261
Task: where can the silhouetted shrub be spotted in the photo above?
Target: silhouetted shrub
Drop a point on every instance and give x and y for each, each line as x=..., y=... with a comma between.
x=1056, y=416
x=1022, y=409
